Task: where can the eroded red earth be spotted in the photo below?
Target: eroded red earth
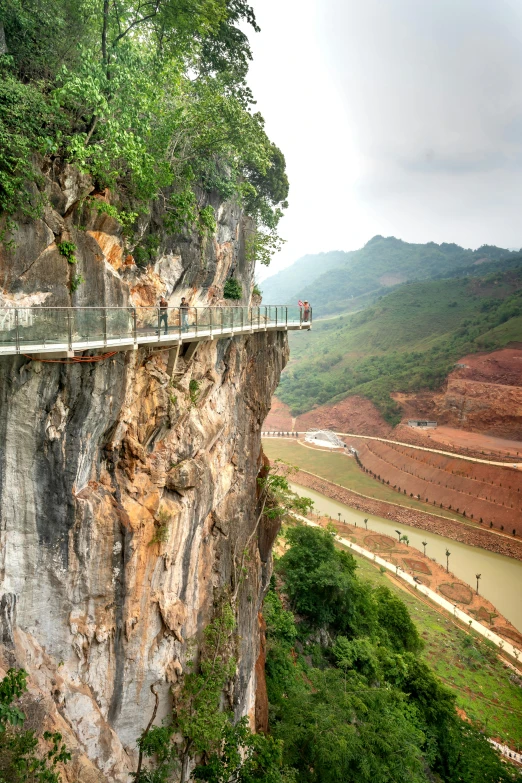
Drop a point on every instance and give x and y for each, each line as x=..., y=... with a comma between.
x=479, y=414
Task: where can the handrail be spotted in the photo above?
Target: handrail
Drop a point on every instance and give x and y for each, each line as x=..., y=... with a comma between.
x=57, y=328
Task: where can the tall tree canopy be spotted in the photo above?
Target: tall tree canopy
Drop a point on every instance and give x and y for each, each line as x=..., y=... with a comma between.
x=142, y=94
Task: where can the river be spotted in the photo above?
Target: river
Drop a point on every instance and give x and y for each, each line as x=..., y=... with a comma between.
x=501, y=580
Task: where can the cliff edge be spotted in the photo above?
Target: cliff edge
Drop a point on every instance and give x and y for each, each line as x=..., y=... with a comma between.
x=127, y=493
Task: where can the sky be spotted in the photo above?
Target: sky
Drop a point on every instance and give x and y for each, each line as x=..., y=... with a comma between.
x=396, y=117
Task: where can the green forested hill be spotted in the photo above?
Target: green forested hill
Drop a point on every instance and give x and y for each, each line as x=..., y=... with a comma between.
x=407, y=341
x=337, y=281
x=286, y=286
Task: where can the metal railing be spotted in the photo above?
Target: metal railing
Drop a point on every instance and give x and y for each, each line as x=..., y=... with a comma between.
x=29, y=329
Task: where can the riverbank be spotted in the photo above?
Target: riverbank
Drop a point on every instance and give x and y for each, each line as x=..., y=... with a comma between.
x=458, y=531
x=420, y=572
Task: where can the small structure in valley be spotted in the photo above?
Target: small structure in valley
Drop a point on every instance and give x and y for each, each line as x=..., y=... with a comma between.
x=324, y=438
x=422, y=423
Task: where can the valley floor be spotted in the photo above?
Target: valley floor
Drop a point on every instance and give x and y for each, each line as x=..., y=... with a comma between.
x=338, y=476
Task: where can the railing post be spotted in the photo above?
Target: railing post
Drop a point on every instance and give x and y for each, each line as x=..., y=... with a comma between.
x=180, y=324
x=232, y=320
x=251, y=319
x=242, y=318
x=134, y=326
x=17, y=332
x=259, y=316
x=286, y=317
x=69, y=328
x=300, y=317
x=159, y=325
x=105, y=326
x=196, y=322
x=210, y=322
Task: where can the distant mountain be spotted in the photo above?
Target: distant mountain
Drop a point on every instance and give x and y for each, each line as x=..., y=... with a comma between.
x=338, y=281
x=407, y=341
x=285, y=286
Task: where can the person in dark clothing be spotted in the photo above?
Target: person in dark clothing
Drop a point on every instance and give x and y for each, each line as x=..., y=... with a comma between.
x=306, y=311
x=184, y=311
x=163, y=314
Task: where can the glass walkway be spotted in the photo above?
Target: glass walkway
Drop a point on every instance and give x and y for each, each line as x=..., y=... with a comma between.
x=63, y=331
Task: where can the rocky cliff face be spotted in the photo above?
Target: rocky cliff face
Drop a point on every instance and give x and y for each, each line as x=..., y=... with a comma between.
x=125, y=496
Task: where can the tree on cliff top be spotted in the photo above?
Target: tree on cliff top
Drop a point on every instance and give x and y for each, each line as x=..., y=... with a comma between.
x=141, y=94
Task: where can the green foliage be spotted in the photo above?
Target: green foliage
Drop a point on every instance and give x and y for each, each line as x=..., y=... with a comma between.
x=256, y=291
x=361, y=705
x=20, y=758
x=76, y=281
x=194, y=387
x=126, y=219
x=25, y=120
x=244, y=757
x=11, y=687
x=262, y=245
x=145, y=253
x=161, y=527
x=147, y=99
x=232, y=289
x=200, y=728
x=183, y=214
x=207, y=221
x=409, y=341
x=67, y=249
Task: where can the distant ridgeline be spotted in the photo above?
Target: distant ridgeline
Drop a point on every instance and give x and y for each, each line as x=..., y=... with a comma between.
x=341, y=282
x=408, y=340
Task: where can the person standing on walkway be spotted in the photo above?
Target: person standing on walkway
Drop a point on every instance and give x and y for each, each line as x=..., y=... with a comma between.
x=163, y=315
x=184, y=311
x=305, y=310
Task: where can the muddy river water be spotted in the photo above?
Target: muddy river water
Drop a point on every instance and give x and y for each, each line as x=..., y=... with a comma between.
x=501, y=580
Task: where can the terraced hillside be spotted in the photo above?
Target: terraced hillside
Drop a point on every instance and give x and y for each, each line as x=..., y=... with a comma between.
x=486, y=494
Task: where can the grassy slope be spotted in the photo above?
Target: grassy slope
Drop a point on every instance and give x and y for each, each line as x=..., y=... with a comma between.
x=407, y=341
x=341, y=282
x=484, y=687
x=341, y=470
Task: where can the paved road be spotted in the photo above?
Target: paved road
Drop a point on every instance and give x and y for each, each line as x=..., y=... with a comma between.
x=419, y=448
x=453, y=609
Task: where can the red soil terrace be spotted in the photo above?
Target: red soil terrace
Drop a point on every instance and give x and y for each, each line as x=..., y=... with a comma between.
x=484, y=492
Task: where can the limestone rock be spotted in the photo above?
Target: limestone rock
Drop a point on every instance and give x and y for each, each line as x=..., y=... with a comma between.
x=183, y=476
x=113, y=576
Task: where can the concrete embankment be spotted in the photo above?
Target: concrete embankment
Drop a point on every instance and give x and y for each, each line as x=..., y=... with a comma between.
x=464, y=532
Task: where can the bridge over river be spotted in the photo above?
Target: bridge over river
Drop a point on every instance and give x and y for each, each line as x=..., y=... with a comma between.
x=60, y=332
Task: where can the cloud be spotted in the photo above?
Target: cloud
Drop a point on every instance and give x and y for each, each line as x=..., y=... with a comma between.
x=396, y=117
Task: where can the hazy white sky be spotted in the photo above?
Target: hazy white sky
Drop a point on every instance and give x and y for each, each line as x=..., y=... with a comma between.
x=398, y=117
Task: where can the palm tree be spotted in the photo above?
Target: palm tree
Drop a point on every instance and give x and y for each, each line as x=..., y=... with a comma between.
x=405, y=539
x=399, y=534
x=448, y=553
x=478, y=578
x=366, y=523
x=339, y=515
x=424, y=544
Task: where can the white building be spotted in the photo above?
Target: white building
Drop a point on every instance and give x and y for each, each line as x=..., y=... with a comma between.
x=324, y=438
